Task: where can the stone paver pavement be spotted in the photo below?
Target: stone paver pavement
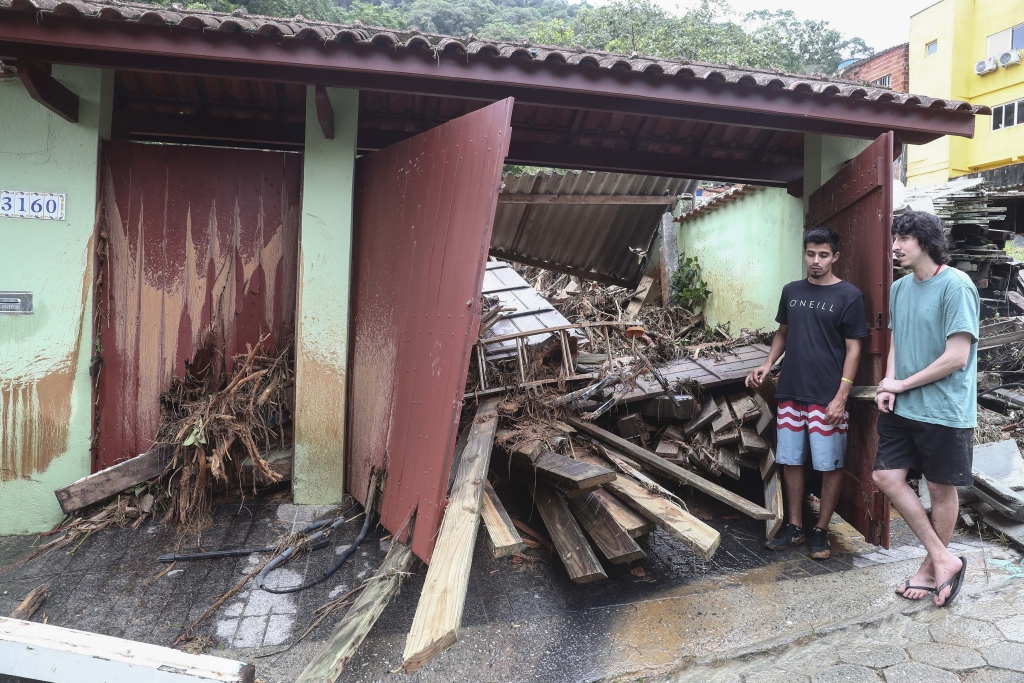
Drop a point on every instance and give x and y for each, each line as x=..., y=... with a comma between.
x=976, y=640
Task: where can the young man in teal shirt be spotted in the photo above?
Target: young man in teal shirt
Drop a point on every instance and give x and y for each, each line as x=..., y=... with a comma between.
x=928, y=398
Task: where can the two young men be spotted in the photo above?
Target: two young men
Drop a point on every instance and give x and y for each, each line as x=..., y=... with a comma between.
x=927, y=399
x=821, y=322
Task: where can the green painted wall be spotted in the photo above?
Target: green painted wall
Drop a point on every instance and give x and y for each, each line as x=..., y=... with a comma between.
x=325, y=259
x=824, y=155
x=748, y=249
x=45, y=393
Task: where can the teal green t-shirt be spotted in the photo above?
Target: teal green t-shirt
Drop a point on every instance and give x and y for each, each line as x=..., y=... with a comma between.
x=922, y=315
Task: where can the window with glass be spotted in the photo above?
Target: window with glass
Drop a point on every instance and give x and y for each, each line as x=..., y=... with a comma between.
x=1017, y=38
x=1007, y=115
x=884, y=81
x=931, y=48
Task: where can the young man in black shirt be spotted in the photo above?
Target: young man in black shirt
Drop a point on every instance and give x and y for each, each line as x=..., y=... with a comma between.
x=821, y=322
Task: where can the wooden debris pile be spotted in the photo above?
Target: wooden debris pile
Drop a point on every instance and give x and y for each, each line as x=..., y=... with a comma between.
x=214, y=432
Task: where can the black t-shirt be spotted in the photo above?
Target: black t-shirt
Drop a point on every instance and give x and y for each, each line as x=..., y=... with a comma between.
x=820, y=318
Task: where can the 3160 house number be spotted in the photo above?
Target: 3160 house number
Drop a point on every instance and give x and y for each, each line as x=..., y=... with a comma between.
x=44, y=205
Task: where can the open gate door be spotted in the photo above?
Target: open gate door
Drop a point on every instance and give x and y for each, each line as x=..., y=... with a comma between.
x=424, y=212
x=857, y=203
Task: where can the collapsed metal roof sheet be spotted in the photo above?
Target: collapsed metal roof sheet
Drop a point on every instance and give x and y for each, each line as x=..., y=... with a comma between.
x=605, y=242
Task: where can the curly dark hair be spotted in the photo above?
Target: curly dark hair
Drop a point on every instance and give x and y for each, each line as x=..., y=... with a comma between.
x=822, y=235
x=927, y=229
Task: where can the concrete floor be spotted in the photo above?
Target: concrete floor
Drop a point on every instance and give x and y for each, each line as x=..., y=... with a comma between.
x=523, y=621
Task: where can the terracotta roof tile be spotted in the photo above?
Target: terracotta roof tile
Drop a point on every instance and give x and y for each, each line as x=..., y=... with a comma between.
x=300, y=28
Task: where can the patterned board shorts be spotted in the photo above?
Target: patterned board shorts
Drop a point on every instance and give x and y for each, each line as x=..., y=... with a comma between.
x=802, y=427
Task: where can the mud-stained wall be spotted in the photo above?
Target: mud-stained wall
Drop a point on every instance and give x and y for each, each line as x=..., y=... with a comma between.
x=323, y=318
x=747, y=249
x=45, y=390
x=199, y=252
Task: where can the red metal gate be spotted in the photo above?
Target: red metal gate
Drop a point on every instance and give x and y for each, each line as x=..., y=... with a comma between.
x=201, y=252
x=857, y=203
x=425, y=209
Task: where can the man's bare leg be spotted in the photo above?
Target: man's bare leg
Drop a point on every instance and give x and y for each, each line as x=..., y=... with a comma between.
x=831, y=485
x=793, y=478
x=940, y=565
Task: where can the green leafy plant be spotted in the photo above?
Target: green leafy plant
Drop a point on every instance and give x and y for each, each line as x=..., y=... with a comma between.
x=688, y=289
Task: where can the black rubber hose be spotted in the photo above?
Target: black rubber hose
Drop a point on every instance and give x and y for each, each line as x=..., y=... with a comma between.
x=287, y=554
x=1002, y=386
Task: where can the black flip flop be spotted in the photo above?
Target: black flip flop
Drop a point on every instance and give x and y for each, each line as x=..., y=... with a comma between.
x=908, y=587
x=956, y=583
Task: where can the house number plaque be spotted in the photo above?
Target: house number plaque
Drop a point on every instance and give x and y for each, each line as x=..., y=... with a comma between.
x=40, y=205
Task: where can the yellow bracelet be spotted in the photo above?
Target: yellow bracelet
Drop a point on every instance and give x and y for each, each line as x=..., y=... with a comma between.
x=846, y=380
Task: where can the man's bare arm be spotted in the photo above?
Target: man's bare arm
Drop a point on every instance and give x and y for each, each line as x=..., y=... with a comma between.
x=778, y=347
x=958, y=350
x=837, y=408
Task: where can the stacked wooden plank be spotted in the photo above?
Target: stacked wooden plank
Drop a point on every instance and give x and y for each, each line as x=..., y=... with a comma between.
x=974, y=228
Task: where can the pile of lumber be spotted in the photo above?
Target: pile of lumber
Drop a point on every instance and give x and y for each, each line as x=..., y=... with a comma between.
x=974, y=228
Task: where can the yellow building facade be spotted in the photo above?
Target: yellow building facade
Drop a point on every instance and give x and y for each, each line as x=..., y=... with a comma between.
x=971, y=50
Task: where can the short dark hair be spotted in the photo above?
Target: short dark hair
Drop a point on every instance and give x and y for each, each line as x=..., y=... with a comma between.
x=927, y=229
x=822, y=235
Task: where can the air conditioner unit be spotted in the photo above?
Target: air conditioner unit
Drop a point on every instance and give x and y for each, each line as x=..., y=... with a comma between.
x=1009, y=58
x=986, y=66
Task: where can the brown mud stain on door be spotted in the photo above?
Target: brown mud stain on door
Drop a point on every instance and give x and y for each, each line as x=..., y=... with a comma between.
x=200, y=262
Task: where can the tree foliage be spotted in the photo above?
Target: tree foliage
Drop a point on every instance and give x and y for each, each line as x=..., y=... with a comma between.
x=709, y=31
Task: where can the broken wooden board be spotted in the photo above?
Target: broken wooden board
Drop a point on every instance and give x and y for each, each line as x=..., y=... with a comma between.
x=674, y=471
x=30, y=604
x=730, y=367
x=709, y=410
x=636, y=300
x=863, y=393
x=663, y=408
x=744, y=408
x=751, y=443
x=568, y=473
x=348, y=635
x=435, y=625
x=42, y=652
x=725, y=420
x=113, y=480
x=631, y=426
x=634, y=524
x=773, y=501
x=611, y=539
x=575, y=552
x=668, y=446
x=730, y=435
x=679, y=523
x=505, y=540
x=764, y=423
x=727, y=461
x=767, y=464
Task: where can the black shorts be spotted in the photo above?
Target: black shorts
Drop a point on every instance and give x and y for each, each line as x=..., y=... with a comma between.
x=944, y=455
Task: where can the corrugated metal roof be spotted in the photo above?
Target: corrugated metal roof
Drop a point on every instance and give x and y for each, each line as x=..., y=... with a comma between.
x=532, y=311
x=299, y=28
x=606, y=243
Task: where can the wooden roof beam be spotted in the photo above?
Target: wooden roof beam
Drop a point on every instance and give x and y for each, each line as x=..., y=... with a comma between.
x=48, y=91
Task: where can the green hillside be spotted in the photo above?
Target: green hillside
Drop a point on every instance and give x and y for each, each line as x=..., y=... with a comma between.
x=711, y=31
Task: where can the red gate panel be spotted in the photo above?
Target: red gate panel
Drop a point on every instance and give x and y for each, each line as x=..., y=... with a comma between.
x=201, y=252
x=424, y=213
x=857, y=203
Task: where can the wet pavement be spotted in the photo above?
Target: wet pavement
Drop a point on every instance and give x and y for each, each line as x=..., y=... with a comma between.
x=747, y=615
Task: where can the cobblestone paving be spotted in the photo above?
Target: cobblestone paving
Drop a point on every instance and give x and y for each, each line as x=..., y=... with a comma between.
x=978, y=639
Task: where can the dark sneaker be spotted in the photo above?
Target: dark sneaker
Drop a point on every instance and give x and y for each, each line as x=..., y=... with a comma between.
x=786, y=537
x=820, y=549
